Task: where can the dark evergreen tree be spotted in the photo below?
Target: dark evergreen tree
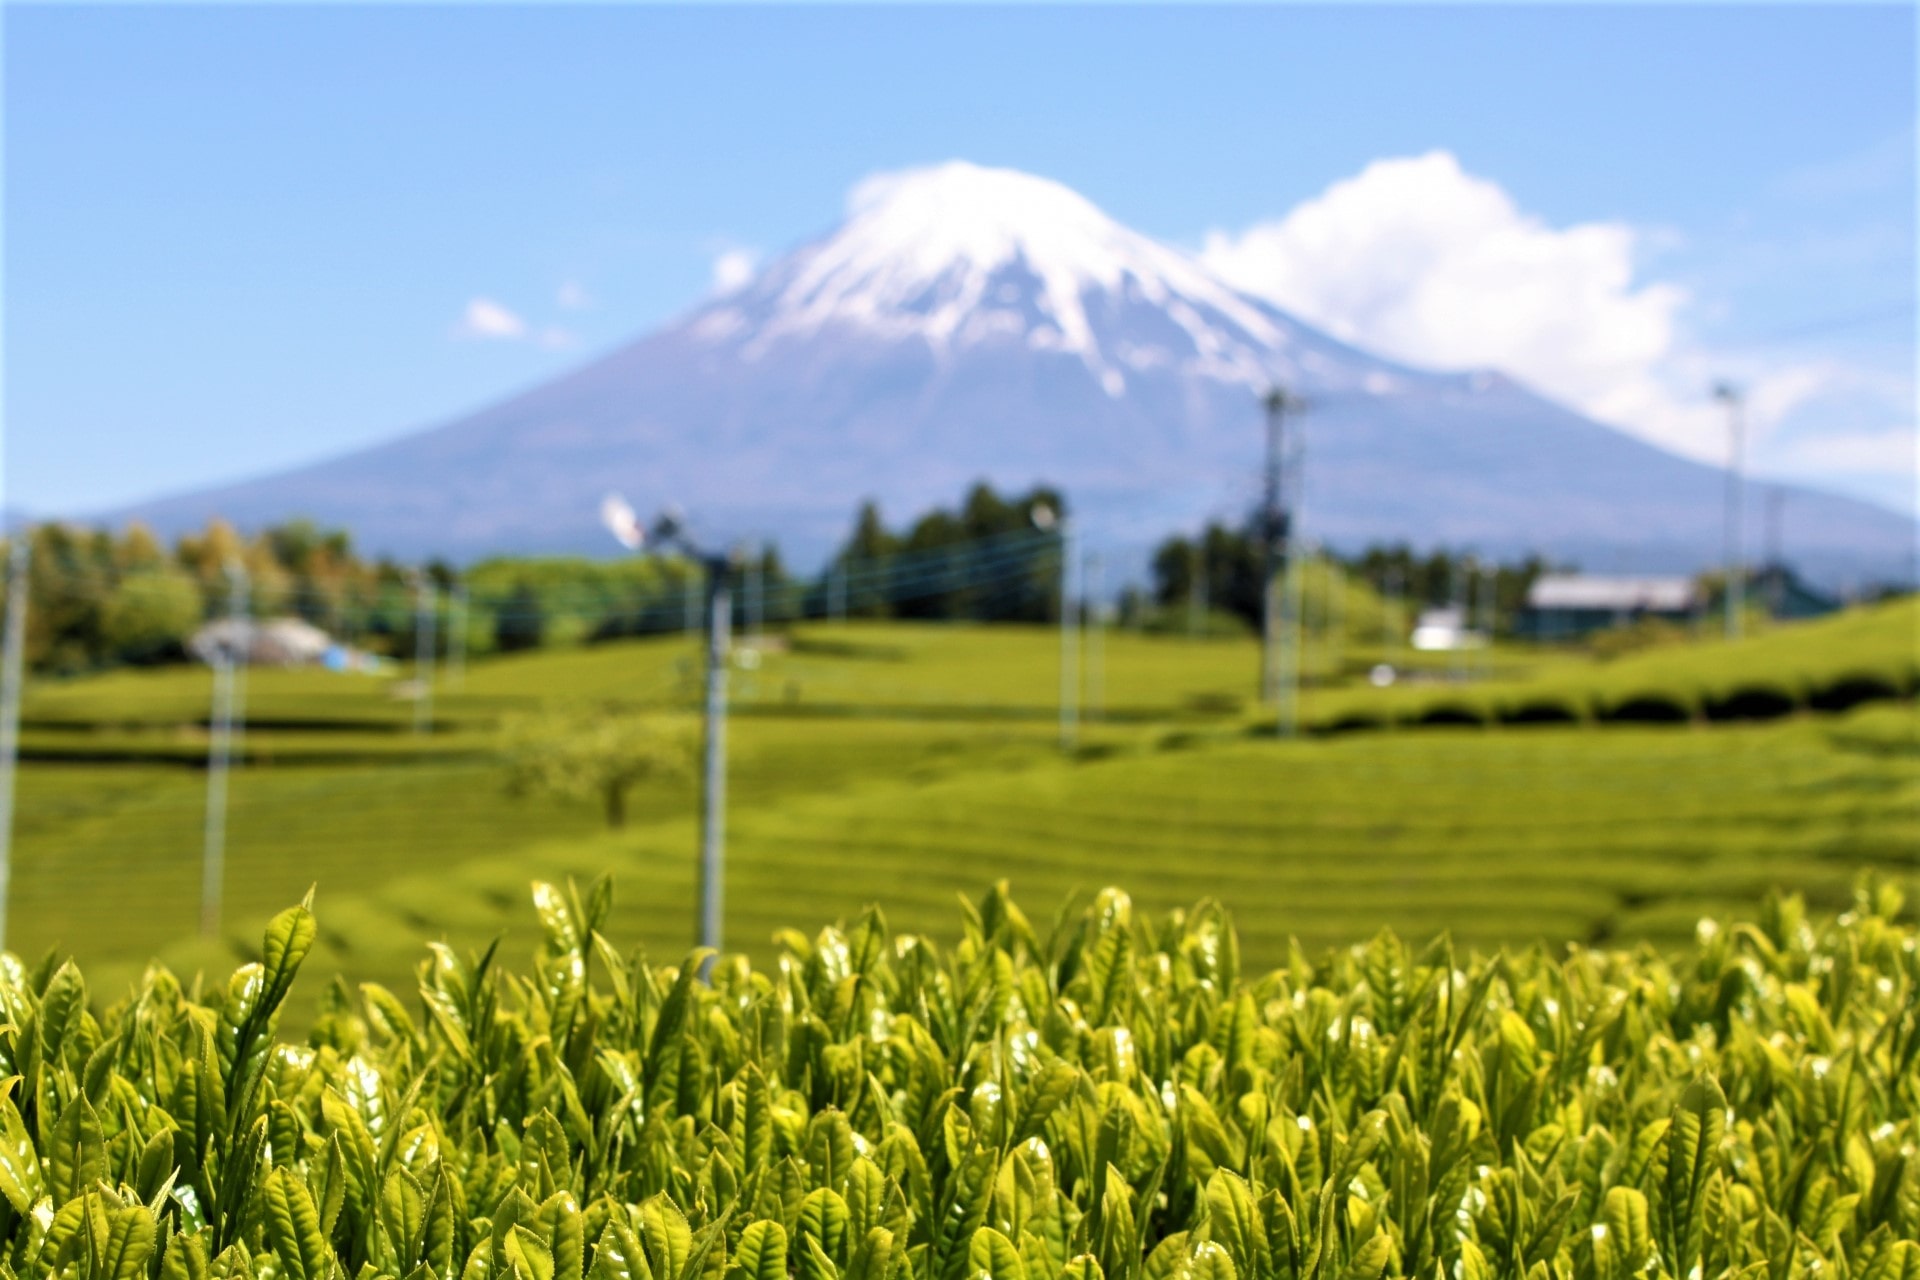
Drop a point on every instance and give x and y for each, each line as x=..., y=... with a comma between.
x=521, y=621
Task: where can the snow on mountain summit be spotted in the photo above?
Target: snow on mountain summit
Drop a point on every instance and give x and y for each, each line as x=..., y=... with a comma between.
x=959, y=254
x=965, y=323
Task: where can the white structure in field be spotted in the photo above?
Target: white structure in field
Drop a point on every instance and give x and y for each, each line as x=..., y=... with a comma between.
x=276, y=642
x=1445, y=630
x=1563, y=606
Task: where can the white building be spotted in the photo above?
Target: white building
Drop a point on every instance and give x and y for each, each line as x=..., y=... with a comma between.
x=1566, y=605
x=268, y=642
x=1445, y=630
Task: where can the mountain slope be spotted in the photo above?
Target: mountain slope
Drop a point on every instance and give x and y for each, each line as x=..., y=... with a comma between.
x=967, y=323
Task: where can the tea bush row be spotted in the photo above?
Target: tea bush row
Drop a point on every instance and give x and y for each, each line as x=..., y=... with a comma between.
x=1105, y=1098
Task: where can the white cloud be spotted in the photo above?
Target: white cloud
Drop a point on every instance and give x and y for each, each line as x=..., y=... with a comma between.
x=1416, y=259
x=734, y=267
x=573, y=296
x=485, y=318
x=1421, y=261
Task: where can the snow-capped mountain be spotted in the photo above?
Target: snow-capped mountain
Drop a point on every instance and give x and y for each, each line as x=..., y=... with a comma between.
x=967, y=323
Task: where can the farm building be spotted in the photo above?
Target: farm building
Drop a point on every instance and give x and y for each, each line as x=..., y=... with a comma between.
x=1565, y=606
x=275, y=642
x=1788, y=596
x=1445, y=630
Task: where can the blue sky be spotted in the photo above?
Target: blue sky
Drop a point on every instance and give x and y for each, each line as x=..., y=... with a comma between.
x=239, y=238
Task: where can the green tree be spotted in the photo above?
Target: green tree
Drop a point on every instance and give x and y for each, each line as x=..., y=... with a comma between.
x=866, y=554
x=600, y=753
x=520, y=622
x=150, y=616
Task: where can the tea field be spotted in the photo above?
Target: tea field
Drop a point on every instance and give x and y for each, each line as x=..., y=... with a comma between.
x=1111, y=1094
x=904, y=763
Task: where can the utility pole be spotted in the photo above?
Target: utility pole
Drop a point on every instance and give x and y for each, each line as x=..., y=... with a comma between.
x=1490, y=614
x=1393, y=622
x=718, y=570
x=1069, y=644
x=1273, y=533
x=228, y=656
x=1288, y=520
x=1047, y=520
x=1459, y=582
x=457, y=636
x=1096, y=624
x=1734, y=399
x=1336, y=613
x=425, y=597
x=1288, y=668
x=756, y=599
x=1776, y=565
x=13, y=654
x=713, y=756
x=1197, y=589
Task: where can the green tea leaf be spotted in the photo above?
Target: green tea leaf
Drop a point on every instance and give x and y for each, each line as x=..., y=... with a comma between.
x=762, y=1252
x=293, y=1228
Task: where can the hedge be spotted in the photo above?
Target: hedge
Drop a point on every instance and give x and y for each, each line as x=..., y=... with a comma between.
x=1106, y=1098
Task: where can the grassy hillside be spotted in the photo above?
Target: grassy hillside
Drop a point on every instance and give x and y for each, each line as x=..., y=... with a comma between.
x=1550, y=835
x=1861, y=655
x=1110, y=1095
x=900, y=762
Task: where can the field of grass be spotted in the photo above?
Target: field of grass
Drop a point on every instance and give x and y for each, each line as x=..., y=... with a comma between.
x=903, y=763
x=1862, y=655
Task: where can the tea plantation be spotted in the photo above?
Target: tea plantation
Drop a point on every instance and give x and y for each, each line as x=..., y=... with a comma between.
x=1112, y=1096
x=902, y=764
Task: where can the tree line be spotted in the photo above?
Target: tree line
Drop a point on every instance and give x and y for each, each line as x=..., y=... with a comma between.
x=101, y=599
x=98, y=598
x=1221, y=569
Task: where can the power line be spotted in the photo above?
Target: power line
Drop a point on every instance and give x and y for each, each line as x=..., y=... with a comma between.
x=1836, y=324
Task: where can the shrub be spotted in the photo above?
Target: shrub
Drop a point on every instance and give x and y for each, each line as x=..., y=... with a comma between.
x=1849, y=690
x=1354, y=720
x=1111, y=1099
x=1452, y=711
x=1753, y=700
x=1649, y=707
x=1541, y=709
x=598, y=753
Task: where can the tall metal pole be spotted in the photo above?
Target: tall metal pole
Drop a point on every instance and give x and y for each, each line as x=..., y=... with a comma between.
x=1069, y=642
x=756, y=600
x=424, y=598
x=713, y=769
x=1336, y=614
x=1392, y=612
x=1733, y=398
x=1490, y=622
x=668, y=531
x=1459, y=583
x=1292, y=548
x=1273, y=534
x=1292, y=607
x=1776, y=564
x=1470, y=621
x=1096, y=625
x=12, y=665
x=228, y=656
x=457, y=636
x=1197, y=588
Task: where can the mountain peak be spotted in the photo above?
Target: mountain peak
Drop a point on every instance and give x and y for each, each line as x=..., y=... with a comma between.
x=960, y=254
x=962, y=213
